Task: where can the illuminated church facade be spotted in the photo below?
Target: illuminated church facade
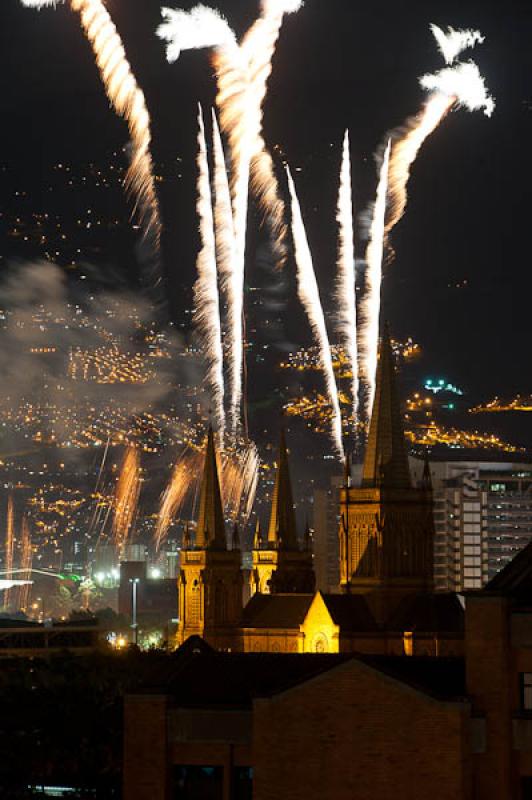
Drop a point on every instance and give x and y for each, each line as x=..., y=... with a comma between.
x=385, y=602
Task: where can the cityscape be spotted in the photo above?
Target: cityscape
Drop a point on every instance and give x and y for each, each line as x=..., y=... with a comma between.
x=265, y=455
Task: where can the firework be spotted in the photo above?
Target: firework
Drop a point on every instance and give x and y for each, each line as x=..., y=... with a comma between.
x=26, y=558
x=460, y=85
x=206, y=299
x=372, y=296
x=240, y=474
x=453, y=43
x=232, y=90
x=126, y=497
x=184, y=477
x=310, y=298
x=128, y=101
x=223, y=215
x=192, y=30
x=345, y=284
x=258, y=48
x=9, y=546
x=242, y=75
x=38, y=4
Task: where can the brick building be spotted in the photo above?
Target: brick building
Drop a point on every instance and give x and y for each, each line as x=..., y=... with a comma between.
x=265, y=725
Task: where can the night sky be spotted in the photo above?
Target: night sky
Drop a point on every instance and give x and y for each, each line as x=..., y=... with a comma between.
x=338, y=64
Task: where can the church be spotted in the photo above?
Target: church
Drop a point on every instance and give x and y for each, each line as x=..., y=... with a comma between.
x=383, y=690
x=385, y=602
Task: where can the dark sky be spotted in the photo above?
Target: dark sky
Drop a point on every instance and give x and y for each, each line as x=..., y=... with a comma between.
x=339, y=64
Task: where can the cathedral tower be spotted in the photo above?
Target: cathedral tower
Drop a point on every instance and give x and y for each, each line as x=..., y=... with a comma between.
x=280, y=565
x=386, y=526
x=210, y=580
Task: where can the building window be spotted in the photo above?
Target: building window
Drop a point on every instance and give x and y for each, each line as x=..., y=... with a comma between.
x=526, y=691
x=197, y=783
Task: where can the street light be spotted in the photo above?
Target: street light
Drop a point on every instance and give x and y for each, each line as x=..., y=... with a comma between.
x=134, y=583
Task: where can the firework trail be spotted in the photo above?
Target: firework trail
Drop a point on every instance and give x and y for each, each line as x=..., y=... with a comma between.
x=240, y=474
x=242, y=76
x=206, y=296
x=26, y=558
x=460, y=85
x=310, y=298
x=371, y=304
x=345, y=284
x=126, y=497
x=128, y=101
x=9, y=546
x=184, y=477
x=258, y=48
x=453, y=43
x=223, y=216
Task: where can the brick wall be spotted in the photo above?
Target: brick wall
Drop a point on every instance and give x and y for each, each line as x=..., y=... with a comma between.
x=145, y=747
x=354, y=734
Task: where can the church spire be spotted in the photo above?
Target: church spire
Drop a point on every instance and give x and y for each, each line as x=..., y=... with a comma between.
x=282, y=528
x=210, y=530
x=386, y=460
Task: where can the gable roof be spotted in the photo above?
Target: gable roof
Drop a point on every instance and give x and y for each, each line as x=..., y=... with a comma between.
x=196, y=676
x=428, y=612
x=350, y=612
x=276, y=610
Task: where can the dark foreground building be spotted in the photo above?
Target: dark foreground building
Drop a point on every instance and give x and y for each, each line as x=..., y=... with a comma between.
x=341, y=726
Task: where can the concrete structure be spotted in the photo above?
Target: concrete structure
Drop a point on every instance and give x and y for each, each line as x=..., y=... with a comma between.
x=482, y=518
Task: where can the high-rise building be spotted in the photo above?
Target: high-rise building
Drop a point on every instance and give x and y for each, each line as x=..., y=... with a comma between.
x=482, y=517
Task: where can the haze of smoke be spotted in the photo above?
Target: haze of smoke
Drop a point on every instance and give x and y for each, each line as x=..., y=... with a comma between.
x=46, y=311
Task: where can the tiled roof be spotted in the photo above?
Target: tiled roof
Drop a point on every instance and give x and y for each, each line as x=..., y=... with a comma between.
x=276, y=610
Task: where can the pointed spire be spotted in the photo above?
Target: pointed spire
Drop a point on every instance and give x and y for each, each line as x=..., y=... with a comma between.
x=236, y=538
x=257, y=540
x=386, y=460
x=282, y=528
x=210, y=530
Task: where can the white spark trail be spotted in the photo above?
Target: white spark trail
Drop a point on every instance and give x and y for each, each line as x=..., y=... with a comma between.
x=371, y=304
x=242, y=75
x=453, y=43
x=346, y=319
x=459, y=85
x=226, y=251
x=206, y=297
x=128, y=101
x=310, y=299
